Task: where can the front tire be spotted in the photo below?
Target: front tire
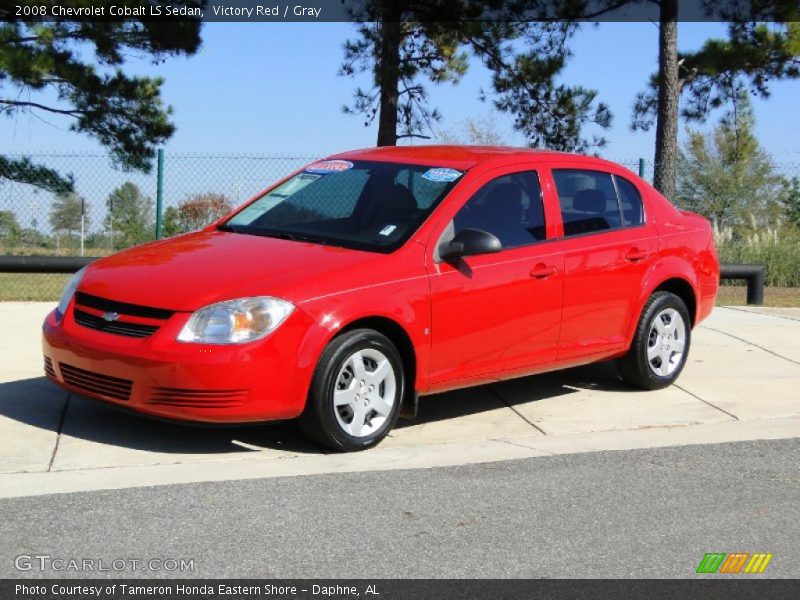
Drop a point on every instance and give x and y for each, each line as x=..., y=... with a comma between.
x=356, y=392
x=660, y=345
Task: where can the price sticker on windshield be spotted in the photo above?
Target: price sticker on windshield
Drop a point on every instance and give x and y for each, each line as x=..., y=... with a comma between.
x=329, y=166
x=441, y=174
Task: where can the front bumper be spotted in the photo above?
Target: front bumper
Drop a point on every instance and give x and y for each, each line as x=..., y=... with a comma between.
x=158, y=376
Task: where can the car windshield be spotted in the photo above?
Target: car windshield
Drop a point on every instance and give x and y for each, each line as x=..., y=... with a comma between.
x=372, y=206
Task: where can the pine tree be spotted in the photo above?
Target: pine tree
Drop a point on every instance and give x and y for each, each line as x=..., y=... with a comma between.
x=400, y=47
x=74, y=70
x=727, y=176
x=129, y=217
x=10, y=230
x=66, y=215
x=691, y=85
x=403, y=45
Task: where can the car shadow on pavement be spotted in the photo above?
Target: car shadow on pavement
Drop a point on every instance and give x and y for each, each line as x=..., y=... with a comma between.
x=37, y=402
x=513, y=392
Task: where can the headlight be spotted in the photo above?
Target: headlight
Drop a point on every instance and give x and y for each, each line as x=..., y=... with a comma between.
x=236, y=321
x=69, y=291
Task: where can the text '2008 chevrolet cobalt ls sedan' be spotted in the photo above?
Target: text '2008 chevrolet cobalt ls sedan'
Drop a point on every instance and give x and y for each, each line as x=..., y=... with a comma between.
x=361, y=281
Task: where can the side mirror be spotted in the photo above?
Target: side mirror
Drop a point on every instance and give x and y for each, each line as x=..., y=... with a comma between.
x=469, y=242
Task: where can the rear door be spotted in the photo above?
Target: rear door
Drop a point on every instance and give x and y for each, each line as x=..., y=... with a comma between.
x=608, y=246
x=497, y=311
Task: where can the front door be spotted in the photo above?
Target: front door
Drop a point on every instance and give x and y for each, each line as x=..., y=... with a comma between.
x=498, y=311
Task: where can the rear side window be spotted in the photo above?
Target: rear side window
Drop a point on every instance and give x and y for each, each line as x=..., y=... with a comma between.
x=588, y=201
x=630, y=202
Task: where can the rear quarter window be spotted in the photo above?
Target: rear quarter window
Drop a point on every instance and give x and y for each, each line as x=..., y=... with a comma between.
x=630, y=201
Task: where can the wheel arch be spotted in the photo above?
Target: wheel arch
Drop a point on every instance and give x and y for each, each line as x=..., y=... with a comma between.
x=402, y=341
x=671, y=274
x=683, y=290
x=676, y=273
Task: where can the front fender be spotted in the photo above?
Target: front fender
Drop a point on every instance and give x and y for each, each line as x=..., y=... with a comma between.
x=406, y=303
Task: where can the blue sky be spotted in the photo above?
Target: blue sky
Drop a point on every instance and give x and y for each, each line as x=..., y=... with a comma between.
x=272, y=89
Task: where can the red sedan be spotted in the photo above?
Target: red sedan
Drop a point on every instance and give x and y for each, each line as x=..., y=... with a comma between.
x=343, y=292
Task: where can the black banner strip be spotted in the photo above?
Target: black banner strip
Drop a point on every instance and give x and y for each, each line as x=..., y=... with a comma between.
x=711, y=588
x=311, y=11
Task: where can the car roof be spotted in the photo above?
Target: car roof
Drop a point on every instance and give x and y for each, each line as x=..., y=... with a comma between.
x=462, y=157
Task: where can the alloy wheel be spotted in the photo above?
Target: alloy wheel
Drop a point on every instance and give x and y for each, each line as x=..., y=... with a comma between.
x=666, y=342
x=365, y=392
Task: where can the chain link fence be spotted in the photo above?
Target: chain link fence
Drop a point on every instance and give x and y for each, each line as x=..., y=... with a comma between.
x=109, y=209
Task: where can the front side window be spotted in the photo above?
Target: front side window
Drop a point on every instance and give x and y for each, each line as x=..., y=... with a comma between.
x=509, y=207
x=588, y=201
x=365, y=205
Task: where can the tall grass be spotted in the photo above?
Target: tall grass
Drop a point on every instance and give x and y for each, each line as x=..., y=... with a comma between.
x=776, y=247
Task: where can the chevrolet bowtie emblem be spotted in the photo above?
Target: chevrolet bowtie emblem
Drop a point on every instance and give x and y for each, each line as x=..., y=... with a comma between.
x=111, y=316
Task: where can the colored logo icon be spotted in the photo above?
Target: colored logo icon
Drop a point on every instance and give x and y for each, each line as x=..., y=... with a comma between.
x=735, y=562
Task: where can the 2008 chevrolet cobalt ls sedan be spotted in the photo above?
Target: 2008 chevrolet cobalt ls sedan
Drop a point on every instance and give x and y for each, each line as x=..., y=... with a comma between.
x=352, y=286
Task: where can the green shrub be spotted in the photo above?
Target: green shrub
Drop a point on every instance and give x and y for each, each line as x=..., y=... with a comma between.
x=777, y=248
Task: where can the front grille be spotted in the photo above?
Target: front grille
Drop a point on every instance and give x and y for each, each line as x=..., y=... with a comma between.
x=122, y=308
x=119, y=327
x=95, y=383
x=198, y=398
x=48, y=367
x=87, y=305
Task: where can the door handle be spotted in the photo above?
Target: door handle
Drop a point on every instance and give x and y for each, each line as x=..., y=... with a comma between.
x=634, y=254
x=542, y=271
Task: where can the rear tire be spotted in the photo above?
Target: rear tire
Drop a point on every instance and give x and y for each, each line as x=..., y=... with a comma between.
x=356, y=392
x=660, y=344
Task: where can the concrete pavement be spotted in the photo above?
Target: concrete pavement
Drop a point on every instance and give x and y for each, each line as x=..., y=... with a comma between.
x=740, y=384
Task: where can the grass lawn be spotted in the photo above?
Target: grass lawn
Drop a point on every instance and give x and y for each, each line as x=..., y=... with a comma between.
x=736, y=295
x=25, y=286
x=35, y=287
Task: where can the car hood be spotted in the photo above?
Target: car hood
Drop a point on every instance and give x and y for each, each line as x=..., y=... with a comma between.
x=191, y=271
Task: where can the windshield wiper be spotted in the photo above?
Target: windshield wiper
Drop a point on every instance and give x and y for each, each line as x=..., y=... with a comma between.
x=297, y=237
x=286, y=235
x=231, y=228
x=281, y=235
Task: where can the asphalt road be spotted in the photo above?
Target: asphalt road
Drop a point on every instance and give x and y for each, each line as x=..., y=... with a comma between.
x=636, y=513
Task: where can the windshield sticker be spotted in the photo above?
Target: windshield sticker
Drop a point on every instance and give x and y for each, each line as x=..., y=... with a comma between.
x=329, y=166
x=388, y=230
x=441, y=174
